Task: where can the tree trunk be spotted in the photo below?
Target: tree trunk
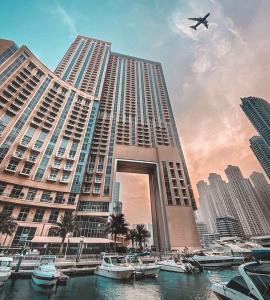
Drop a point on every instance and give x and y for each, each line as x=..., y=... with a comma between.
x=62, y=245
x=115, y=237
x=132, y=242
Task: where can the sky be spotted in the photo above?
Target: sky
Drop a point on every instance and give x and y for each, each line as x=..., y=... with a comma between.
x=207, y=71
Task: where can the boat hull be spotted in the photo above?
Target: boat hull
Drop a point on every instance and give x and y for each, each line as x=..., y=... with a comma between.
x=224, y=293
x=172, y=267
x=44, y=281
x=114, y=274
x=148, y=271
x=4, y=276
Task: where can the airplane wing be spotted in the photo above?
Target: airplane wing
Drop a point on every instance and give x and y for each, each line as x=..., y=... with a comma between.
x=195, y=19
x=205, y=24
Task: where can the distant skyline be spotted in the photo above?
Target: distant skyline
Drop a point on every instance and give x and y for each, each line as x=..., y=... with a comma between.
x=207, y=71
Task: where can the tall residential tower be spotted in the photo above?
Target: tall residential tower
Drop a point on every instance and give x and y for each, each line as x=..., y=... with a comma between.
x=64, y=135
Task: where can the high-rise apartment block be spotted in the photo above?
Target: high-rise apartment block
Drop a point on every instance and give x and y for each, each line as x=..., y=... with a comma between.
x=64, y=135
x=238, y=199
x=227, y=226
x=262, y=152
x=258, y=112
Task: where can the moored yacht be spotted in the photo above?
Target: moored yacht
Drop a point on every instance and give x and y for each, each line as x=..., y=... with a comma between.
x=114, y=267
x=252, y=283
x=46, y=273
x=145, y=270
x=176, y=264
x=5, y=269
x=213, y=261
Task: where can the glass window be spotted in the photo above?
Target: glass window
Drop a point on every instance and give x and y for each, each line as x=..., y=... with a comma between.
x=53, y=175
x=38, y=144
x=57, y=163
x=59, y=198
x=26, y=140
x=54, y=216
x=19, y=152
x=12, y=166
x=61, y=151
x=27, y=168
x=65, y=176
x=71, y=198
x=39, y=215
x=3, y=185
x=8, y=208
x=31, y=194
x=23, y=213
x=46, y=195
x=16, y=191
x=33, y=156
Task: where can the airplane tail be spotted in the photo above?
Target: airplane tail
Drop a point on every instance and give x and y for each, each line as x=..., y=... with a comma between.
x=194, y=27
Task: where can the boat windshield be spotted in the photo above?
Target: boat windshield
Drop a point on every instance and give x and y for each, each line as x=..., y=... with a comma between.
x=117, y=260
x=5, y=263
x=262, y=283
x=133, y=259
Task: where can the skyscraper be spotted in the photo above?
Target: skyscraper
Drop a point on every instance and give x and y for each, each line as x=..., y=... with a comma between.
x=258, y=112
x=262, y=152
x=227, y=226
x=64, y=135
x=207, y=210
x=262, y=188
x=246, y=203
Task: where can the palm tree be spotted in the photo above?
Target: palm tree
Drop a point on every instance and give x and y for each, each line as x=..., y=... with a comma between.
x=131, y=236
x=7, y=223
x=142, y=234
x=116, y=225
x=67, y=224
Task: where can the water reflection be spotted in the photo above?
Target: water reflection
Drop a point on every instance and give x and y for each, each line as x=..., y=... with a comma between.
x=167, y=287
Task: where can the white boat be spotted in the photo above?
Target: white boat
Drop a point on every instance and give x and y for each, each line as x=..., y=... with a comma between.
x=145, y=270
x=176, y=264
x=46, y=273
x=252, y=283
x=114, y=267
x=213, y=261
x=5, y=269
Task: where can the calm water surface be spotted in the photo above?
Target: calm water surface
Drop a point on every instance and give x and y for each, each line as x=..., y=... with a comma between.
x=168, y=286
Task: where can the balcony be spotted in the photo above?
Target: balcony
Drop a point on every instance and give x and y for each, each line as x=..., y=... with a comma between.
x=51, y=178
x=96, y=191
x=64, y=180
x=98, y=180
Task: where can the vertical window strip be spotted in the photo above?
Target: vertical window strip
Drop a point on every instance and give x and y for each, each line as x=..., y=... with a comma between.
x=23, y=118
x=86, y=61
x=167, y=183
x=11, y=68
x=122, y=91
x=143, y=95
x=111, y=145
x=153, y=93
x=133, y=130
x=70, y=66
x=102, y=71
x=138, y=93
x=6, y=54
x=158, y=97
x=49, y=150
x=80, y=170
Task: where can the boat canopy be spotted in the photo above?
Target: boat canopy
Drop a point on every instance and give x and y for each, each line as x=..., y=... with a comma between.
x=258, y=268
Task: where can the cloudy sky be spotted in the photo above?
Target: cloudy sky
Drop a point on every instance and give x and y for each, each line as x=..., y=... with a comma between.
x=207, y=71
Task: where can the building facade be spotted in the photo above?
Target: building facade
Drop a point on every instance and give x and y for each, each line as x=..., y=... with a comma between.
x=65, y=134
x=262, y=152
x=258, y=112
x=227, y=226
x=246, y=203
x=262, y=188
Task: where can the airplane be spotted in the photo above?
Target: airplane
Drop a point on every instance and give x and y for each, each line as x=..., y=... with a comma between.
x=200, y=21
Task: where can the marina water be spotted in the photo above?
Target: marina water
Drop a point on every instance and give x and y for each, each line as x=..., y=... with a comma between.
x=168, y=286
